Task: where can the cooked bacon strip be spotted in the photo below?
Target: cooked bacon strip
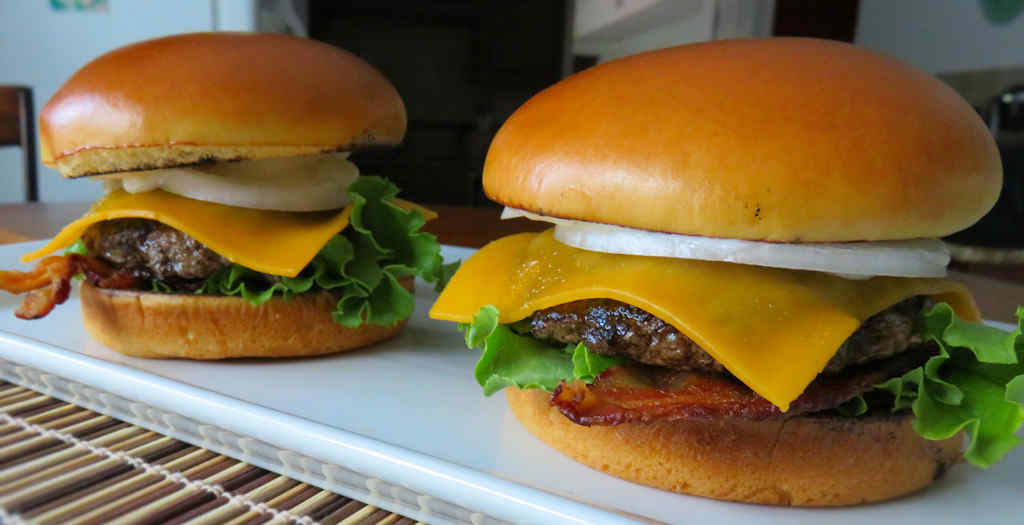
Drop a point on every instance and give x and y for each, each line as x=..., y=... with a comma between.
x=643, y=395
x=49, y=283
x=38, y=303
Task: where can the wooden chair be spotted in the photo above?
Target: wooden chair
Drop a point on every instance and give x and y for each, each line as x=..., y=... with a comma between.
x=17, y=128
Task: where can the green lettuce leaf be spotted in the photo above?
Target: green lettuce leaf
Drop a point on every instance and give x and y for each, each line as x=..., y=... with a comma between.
x=587, y=365
x=857, y=406
x=510, y=359
x=362, y=264
x=445, y=274
x=975, y=384
x=77, y=247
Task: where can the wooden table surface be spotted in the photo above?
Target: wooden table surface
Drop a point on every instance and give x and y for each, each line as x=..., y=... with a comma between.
x=460, y=226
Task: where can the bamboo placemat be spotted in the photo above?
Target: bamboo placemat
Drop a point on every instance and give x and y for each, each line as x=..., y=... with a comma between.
x=60, y=463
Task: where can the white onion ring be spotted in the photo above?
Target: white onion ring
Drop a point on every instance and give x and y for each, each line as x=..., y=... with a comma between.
x=853, y=260
x=309, y=183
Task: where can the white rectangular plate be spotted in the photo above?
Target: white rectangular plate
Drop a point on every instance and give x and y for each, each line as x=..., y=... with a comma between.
x=407, y=413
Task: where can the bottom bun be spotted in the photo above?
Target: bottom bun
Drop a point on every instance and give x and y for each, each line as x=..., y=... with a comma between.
x=160, y=325
x=803, y=461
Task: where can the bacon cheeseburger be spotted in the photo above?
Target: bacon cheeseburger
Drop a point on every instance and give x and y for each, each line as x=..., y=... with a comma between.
x=233, y=224
x=742, y=296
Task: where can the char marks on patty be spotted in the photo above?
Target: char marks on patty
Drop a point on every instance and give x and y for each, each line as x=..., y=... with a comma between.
x=613, y=328
x=152, y=249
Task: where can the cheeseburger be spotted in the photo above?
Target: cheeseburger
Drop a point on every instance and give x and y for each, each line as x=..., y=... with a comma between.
x=743, y=295
x=233, y=224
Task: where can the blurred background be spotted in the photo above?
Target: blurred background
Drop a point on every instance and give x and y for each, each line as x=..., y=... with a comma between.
x=464, y=66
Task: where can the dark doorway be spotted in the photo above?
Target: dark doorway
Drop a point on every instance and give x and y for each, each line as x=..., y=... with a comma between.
x=833, y=19
x=462, y=67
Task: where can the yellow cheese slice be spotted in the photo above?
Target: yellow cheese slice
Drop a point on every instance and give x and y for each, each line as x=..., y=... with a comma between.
x=274, y=242
x=774, y=329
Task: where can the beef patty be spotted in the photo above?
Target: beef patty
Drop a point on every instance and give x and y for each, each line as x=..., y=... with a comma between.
x=613, y=328
x=152, y=250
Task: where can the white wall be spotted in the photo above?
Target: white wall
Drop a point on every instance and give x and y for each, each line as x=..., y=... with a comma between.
x=615, y=28
x=642, y=26
x=940, y=36
x=593, y=16
x=41, y=48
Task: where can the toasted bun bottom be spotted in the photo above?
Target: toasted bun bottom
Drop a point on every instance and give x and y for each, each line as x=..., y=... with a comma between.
x=803, y=461
x=158, y=325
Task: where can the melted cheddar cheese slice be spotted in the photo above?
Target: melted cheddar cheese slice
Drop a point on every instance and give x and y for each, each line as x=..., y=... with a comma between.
x=774, y=329
x=274, y=242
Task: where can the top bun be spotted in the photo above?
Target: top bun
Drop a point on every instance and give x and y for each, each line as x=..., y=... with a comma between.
x=784, y=139
x=216, y=96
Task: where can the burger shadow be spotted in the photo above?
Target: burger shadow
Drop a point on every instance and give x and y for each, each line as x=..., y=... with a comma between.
x=446, y=340
x=416, y=339
x=10, y=301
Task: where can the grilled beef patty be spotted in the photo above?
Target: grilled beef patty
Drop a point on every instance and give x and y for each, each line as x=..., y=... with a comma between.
x=152, y=250
x=613, y=328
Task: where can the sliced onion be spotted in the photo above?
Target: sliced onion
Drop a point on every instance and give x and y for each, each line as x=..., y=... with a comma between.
x=309, y=183
x=853, y=260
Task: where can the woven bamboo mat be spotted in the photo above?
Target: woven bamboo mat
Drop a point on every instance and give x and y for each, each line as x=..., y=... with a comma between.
x=60, y=463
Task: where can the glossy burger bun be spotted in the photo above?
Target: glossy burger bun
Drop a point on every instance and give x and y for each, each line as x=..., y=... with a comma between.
x=784, y=139
x=154, y=325
x=216, y=96
x=803, y=461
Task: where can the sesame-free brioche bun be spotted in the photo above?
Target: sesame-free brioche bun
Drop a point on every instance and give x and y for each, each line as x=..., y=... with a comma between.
x=800, y=461
x=783, y=139
x=157, y=325
x=216, y=96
